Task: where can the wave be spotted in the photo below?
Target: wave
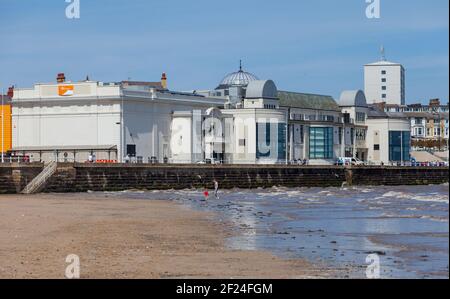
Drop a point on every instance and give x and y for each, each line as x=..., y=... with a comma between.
x=423, y=198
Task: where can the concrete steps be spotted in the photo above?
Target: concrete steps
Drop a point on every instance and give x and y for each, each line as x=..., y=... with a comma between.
x=38, y=182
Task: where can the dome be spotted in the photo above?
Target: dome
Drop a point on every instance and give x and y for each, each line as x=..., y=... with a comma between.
x=262, y=89
x=350, y=98
x=239, y=78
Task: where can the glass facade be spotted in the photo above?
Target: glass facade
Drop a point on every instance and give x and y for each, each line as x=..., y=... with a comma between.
x=399, y=146
x=264, y=147
x=321, y=143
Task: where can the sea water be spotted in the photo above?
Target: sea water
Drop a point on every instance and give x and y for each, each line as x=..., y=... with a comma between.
x=407, y=226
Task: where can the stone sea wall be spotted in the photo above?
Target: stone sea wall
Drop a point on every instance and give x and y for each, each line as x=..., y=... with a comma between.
x=14, y=177
x=118, y=177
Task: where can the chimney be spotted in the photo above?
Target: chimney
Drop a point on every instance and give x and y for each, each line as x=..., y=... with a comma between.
x=435, y=102
x=10, y=92
x=164, y=80
x=61, y=78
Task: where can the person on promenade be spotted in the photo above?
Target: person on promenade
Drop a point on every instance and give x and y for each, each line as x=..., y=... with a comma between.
x=216, y=189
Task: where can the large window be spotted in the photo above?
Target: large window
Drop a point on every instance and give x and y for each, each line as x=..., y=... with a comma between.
x=399, y=146
x=271, y=141
x=321, y=143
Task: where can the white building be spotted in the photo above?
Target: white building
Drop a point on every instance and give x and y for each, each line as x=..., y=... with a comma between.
x=243, y=121
x=355, y=111
x=388, y=137
x=114, y=121
x=384, y=81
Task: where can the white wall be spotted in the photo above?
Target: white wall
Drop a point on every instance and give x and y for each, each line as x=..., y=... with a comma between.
x=373, y=84
x=378, y=133
x=67, y=123
x=244, y=122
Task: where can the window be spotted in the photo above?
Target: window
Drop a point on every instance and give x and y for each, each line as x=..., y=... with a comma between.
x=241, y=142
x=360, y=134
x=302, y=133
x=321, y=143
x=340, y=135
x=437, y=131
x=383, y=80
x=131, y=150
x=383, y=87
x=352, y=135
x=418, y=131
x=312, y=117
x=399, y=146
x=265, y=146
x=376, y=147
x=383, y=72
x=347, y=118
x=360, y=117
x=383, y=96
x=418, y=121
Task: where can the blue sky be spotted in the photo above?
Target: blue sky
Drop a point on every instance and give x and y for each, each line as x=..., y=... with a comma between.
x=315, y=46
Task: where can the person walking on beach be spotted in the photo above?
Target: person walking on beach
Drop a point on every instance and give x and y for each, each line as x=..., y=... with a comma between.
x=216, y=189
x=206, y=193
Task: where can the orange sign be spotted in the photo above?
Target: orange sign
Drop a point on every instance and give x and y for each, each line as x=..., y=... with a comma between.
x=65, y=90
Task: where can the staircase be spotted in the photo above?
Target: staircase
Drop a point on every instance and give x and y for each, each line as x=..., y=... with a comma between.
x=39, y=181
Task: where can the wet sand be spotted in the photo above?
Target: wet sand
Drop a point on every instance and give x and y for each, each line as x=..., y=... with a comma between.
x=126, y=238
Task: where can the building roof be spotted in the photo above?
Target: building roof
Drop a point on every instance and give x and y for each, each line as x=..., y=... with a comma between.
x=239, y=78
x=429, y=115
x=307, y=101
x=65, y=147
x=258, y=89
x=383, y=63
x=351, y=98
x=156, y=85
x=376, y=112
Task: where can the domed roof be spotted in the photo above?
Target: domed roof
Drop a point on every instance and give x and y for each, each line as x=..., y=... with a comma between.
x=239, y=78
x=262, y=89
x=351, y=98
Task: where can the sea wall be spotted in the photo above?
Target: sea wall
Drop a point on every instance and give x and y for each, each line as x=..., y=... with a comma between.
x=392, y=176
x=82, y=177
x=116, y=177
x=14, y=177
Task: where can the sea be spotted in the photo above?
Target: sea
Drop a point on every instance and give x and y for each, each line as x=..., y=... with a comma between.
x=406, y=228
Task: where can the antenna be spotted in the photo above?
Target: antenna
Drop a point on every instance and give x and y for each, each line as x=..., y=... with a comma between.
x=240, y=65
x=383, y=53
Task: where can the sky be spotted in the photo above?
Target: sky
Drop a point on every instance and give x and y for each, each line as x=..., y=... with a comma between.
x=311, y=46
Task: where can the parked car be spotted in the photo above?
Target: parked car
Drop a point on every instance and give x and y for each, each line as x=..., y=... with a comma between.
x=341, y=161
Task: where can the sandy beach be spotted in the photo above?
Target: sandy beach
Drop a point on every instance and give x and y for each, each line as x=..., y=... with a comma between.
x=125, y=238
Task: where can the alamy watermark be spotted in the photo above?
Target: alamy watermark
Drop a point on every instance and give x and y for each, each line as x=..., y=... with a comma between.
x=373, y=10
x=373, y=269
x=73, y=269
x=73, y=9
